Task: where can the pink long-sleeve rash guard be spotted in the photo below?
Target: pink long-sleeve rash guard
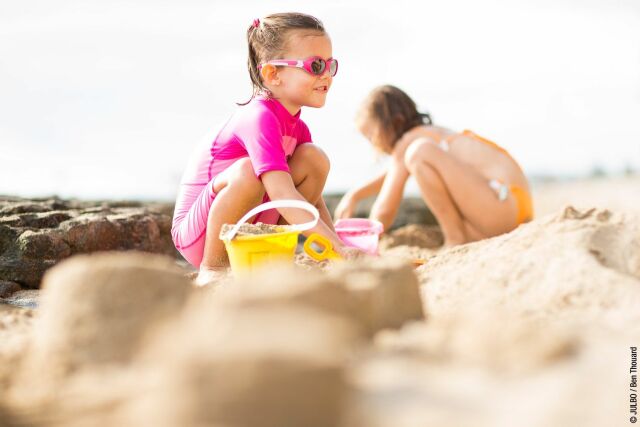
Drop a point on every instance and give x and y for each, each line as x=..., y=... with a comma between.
x=266, y=133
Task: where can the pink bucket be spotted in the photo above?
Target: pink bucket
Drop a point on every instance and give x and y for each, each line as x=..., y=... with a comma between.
x=360, y=233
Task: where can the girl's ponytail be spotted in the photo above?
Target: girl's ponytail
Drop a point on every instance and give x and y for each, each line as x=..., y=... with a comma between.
x=426, y=118
x=252, y=61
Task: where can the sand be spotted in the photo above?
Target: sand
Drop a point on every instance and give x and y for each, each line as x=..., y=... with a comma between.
x=253, y=229
x=517, y=327
x=532, y=328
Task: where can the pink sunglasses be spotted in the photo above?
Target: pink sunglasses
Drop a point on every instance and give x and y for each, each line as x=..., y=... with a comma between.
x=315, y=65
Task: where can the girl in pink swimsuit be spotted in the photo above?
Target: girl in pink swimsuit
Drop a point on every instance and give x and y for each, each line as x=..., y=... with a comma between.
x=264, y=152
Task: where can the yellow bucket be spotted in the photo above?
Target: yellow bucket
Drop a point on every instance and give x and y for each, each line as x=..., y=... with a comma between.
x=249, y=252
x=246, y=252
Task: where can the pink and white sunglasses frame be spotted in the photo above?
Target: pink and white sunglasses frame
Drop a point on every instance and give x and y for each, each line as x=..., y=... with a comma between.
x=305, y=64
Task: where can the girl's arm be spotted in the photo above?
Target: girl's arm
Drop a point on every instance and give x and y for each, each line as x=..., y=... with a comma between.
x=386, y=206
x=279, y=186
x=349, y=201
x=324, y=213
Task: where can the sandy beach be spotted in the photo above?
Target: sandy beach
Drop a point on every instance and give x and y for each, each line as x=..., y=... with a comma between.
x=532, y=328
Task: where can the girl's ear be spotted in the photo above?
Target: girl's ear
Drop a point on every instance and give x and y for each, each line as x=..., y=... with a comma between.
x=398, y=121
x=269, y=74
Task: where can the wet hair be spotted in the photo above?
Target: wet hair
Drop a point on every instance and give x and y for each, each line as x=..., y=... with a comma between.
x=267, y=39
x=392, y=113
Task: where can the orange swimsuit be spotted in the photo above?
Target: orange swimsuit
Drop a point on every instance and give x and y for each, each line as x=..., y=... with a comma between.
x=521, y=195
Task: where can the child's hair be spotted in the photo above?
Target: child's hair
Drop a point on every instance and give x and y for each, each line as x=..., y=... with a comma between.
x=267, y=40
x=392, y=113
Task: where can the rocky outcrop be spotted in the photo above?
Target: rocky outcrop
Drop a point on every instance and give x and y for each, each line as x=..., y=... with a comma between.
x=36, y=234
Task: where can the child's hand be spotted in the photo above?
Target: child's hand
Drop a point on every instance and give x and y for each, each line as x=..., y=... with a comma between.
x=346, y=207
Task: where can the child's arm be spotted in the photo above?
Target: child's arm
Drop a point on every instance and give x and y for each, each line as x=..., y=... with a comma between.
x=324, y=213
x=279, y=186
x=350, y=200
x=385, y=208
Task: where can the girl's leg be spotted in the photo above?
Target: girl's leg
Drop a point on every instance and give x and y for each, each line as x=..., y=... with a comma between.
x=309, y=167
x=437, y=197
x=237, y=190
x=460, y=198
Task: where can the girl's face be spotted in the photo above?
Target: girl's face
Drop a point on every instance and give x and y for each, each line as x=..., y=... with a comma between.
x=371, y=130
x=295, y=87
x=365, y=126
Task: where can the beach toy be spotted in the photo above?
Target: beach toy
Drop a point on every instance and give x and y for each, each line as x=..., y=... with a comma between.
x=327, y=248
x=248, y=252
x=417, y=262
x=360, y=233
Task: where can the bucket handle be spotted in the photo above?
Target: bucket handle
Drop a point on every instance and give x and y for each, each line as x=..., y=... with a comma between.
x=274, y=204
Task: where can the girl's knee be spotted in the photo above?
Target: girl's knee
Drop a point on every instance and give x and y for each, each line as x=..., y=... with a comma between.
x=429, y=176
x=311, y=156
x=244, y=179
x=420, y=151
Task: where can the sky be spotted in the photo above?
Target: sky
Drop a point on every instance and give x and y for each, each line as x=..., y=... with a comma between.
x=107, y=99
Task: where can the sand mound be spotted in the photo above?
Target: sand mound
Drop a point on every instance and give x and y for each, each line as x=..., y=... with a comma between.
x=375, y=293
x=250, y=366
x=578, y=265
x=484, y=341
x=411, y=390
x=15, y=327
x=6, y=420
x=422, y=236
x=412, y=242
x=284, y=285
x=517, y=327
x=386, y=289
x=111, y=338
x=97, y=308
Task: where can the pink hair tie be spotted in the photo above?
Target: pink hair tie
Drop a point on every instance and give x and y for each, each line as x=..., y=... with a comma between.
x=256, y=22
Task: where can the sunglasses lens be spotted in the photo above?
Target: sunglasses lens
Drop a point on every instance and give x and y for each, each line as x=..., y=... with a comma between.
x=333, y=67
x=318, y=66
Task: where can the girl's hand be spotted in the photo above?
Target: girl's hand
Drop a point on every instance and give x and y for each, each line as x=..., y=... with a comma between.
x=346, y=208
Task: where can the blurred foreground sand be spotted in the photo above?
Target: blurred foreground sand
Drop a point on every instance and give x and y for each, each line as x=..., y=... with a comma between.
x=532, y=328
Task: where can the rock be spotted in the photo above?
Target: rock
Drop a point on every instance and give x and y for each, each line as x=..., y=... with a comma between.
x=36, y=234
x=43, y=244
x=24, y=271
x=7, y=288
x=97, y=308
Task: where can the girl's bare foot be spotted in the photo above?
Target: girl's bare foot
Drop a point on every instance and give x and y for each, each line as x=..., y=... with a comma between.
x=211, y=275
x=450, y=243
